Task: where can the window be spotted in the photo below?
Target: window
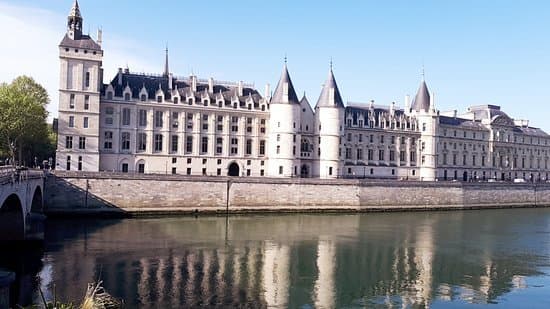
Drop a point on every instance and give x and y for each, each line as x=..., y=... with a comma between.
x=79, y=163
x=278, y=149
x=234, y=146
x=330, y=170
x=87, y=80
x=204, y=144
x=248, y=147
x=219, y=126
x=423, y=127
x=280, y=170
x=219, y=145
x=174, y=144
x=142, y=141
x=158, y=119
x=143, y=97
x=176, y=100
x=109, y=112
x=125, y=116
x=234, y=124
x=71, y=101
x=108, y=140
x=127, y=96
x=68, y=163
x=262, y=147
x=188, y=171
x=175, y=123
x=71, y=121
x=190, y=121
x=142, y=118
x=205, y=122
x=370, y=154
x=68, y=142
x=381, y=155
x=189, y=144
x=109, y=95
x=173, y=170
x=348, y=153
x=82, y=142
x=86, y=102
x=159, y=99
x=85, y=122
x=392, y=155
x=158, y=142
x=278, y=137
x=125, y=140
x=359, y=154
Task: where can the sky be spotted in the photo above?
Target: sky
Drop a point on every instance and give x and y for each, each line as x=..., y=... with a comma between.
x=473, y=52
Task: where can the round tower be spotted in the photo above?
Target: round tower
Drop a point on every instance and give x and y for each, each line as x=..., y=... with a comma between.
x=284, y=123
x=427, y=117
x=329, y=123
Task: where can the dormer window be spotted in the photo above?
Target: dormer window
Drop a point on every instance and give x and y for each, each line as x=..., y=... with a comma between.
x=190, y=101
x=205, y=102
x=109, y=95
x=126, y=96
x=176, y=100
x=159, y=98
x=235, y=105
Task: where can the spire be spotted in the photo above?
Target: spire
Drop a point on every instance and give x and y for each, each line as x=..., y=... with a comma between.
x=422, y=100
x=74, y=22
x=284, y=92
x=330, y=95
x=166, y=70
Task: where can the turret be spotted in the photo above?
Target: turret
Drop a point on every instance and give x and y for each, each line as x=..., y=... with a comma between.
x=74, y=22
x=284, y=122
x=329, y=121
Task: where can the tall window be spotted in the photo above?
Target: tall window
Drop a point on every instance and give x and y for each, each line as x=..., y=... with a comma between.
x=125, y=140
x=109, y=112
x=142, y=118
x=158, y=142
x=262, y=147
x=234, y=124
x=68, y=163
x=85, y=122
x=142, y=141
x=82, y=142
x=71, y=121
x=87, y=80
x=71, y=101
x=359, y=154
x=125, y=116
x=219, y=145
x=205, y=122
x=248, y=146
x=68, y=142
x=189, y=144
x=158, y=119
x=190, y=121
x=175, y=123
x=143, y=97
x=127, y=96
x=108, y=143
x=174, y=146
x=86, y=102
x=204, y=144
x=219, y=126
x=234, y=146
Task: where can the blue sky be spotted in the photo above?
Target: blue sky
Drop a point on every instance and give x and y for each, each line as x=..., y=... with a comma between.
x=474, y=52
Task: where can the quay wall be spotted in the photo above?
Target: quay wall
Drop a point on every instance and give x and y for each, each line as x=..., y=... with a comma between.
x=70, y=192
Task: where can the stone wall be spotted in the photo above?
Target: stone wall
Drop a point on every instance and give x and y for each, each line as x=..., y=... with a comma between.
x=124, y=193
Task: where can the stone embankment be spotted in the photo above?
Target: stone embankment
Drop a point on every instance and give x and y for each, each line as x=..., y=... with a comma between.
x=110, y=193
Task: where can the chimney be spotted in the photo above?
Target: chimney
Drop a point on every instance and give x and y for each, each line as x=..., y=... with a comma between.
x=170, y=81
x=432, y=102
x=454, y=113
x=267, y=92
x=240, y=89
x=371, y=104
x=193, y=83
x=211, y=85
x=407, y=103
x=392, y=108
x=120, y=76
x=99, y=36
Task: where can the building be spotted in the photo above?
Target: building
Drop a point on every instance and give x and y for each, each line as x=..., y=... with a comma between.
x=147, y=123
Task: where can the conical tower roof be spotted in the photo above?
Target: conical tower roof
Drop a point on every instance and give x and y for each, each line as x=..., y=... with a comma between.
x=422, y=100
x=330, y=95
x=75, y=10
x=285, y=93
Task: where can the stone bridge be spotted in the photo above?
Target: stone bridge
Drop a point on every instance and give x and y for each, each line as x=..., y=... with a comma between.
x=21, y=204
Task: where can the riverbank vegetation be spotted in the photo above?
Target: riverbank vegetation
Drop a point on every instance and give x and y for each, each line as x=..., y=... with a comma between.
x=25, y=136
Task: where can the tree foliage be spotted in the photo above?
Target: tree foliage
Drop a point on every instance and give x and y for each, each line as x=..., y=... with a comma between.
x=23, y=128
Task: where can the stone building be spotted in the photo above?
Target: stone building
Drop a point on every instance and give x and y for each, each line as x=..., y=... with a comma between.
x=162, y=123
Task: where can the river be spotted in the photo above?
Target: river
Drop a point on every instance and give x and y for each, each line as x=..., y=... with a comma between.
x=449, y=259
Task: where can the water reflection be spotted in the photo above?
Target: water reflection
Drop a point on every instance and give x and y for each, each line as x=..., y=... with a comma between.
x=321, y=261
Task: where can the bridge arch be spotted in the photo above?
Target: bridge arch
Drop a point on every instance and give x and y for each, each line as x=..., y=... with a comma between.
x=12, y=218
x=37, y=202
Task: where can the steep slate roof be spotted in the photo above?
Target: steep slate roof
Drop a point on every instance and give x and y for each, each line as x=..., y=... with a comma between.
x=75, y=10
x=151, y=83
x=278, y=95
x=85, y=42
x=422, y=100
x=330, y=98
x=461, y=122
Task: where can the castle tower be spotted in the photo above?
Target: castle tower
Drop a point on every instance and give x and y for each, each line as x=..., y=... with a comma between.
x=427, y=117
x=79, y=90
x=284, y=123
x=329, y=122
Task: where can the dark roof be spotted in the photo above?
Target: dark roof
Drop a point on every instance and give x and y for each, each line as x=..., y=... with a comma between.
x=325, y=99
x=461, y=122
x=278, y=95
x=85, y=42
x=531, y=131
x=365, y=108
x=422, y=100
x=153, y=83
x=75, y=10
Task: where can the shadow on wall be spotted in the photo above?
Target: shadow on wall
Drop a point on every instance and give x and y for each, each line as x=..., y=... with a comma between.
x=61, y=195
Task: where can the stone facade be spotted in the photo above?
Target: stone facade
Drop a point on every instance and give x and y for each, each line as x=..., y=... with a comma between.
x=165, y=124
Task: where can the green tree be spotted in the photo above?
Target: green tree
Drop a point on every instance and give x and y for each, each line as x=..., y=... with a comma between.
x=22, y=118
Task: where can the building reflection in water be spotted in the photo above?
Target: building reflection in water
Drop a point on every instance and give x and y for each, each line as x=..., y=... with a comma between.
x=321, y=261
